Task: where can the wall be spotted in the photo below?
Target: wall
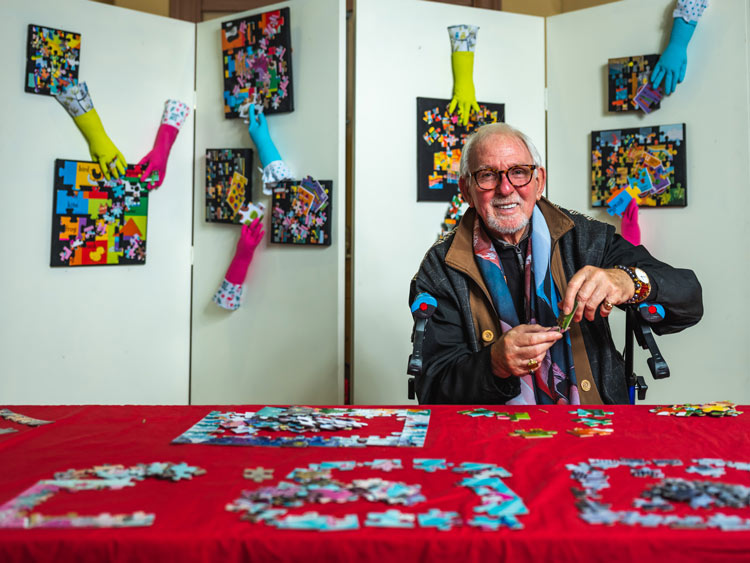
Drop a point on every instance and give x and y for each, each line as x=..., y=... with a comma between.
x=113, y=334
x=285, y=344
x=709, y=361
x=391, y=230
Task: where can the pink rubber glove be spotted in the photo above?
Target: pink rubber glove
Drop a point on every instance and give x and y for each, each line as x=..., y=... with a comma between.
x=174, y=116
x=630, y=229
x=250, y=237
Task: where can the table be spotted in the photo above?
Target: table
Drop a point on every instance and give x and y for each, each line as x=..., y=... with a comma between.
x=192, y=524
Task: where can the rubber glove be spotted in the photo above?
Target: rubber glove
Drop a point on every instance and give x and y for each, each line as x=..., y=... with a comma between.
x=673, y=61
x=463, y=40
x=629, y=228
x=77, y=101
x=250, y=237
x=175, y=114
x=258, y=129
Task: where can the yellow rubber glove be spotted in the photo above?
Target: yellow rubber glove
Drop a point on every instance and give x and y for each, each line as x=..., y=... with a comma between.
x=101, y=148
x=464, y=96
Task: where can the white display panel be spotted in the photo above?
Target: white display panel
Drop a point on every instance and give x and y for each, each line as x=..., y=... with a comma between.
x=286, y=342
x=403, y=52
x=709, y=361
x=112, y=334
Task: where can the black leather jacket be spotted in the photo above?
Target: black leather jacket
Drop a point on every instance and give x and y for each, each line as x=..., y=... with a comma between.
x=457, y=366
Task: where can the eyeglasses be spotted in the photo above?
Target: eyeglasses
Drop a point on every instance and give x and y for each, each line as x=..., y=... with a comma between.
x=489, y=179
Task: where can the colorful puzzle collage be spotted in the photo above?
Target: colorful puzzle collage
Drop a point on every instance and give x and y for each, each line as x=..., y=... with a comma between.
x=229, y=187
x=301, y=212
x=629, y=87
x=95, y=221
x=52, y=59
x=647, y=164
x=257, y=62
x=439, y=141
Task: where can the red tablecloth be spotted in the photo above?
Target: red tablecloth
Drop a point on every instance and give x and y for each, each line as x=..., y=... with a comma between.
x=192, y=523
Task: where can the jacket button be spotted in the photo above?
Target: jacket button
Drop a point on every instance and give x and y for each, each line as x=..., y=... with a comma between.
x=586, y=385
x=488, y=335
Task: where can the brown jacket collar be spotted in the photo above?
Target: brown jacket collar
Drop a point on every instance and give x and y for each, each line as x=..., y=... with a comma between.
x=461, y=253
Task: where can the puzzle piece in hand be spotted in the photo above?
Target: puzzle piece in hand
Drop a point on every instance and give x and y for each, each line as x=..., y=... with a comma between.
x=390, y=519
x=258, y=474
x=430, y=465
x=534, y=433
x=435, y=518
x=590, y=432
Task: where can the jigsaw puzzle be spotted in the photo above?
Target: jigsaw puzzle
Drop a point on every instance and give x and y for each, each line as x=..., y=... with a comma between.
x=439, y=142
x=52, y=60
x=229, y=187
x=626, y=76
x=647, y=164
x=98, y=222
x=301, y=212
x=257, y=55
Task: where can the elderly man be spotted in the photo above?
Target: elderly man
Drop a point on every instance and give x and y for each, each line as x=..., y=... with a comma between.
x=502, y=277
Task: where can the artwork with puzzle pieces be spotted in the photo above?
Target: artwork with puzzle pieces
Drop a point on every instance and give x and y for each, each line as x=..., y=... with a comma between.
x=98, y=222
x=648, y=164
x=52, y=59
x=302, y=212
x=229, y=186
x=257, y=54
x=626, y=76
x=439, y=142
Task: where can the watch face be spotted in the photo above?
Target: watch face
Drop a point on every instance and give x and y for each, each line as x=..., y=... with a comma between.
x=641, y=275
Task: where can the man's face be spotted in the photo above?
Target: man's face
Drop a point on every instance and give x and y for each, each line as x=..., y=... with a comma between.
x=507, y=209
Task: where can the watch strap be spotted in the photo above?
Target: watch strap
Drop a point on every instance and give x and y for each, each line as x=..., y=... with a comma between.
x=642, y=289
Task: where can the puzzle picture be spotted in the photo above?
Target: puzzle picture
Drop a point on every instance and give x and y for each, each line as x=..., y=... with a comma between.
x=647, y=164
x=228, y=186
x=301, y=212
x=700, y=493
x=52, y=60
x=98, y=222
x=257, y=54
x=439, y=141
x=626, y=75
x=299, y=427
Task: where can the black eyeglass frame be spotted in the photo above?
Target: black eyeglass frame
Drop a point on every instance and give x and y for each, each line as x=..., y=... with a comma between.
x=501, y=173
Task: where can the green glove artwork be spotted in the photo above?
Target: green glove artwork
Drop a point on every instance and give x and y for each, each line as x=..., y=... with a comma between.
x=463, y=39
x=77, y=101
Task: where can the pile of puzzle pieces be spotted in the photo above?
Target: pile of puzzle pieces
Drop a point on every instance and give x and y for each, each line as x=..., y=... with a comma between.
x=716, y=408
x=593, y=478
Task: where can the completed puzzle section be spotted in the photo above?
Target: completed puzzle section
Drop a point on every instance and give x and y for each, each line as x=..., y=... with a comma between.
x=647, y=162
x=95, y=221
x=228, y=186
x=302, y=212
x=52, y=60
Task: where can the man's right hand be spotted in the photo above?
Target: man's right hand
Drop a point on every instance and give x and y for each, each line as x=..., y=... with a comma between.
x=513, y=351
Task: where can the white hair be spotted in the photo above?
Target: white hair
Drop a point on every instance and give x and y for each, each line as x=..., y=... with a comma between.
x=488, y=131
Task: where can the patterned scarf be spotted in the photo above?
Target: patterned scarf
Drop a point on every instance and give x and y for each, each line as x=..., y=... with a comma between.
x=554, y=382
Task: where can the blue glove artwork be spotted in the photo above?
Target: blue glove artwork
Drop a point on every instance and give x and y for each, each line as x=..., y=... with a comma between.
x=258, y=129
x=673, y=62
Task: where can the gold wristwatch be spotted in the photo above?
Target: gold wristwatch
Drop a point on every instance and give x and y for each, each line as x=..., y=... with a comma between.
x=640, y=281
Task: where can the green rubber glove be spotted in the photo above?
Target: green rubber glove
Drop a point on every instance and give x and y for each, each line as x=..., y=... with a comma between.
x=464, y=96
x=101, y=148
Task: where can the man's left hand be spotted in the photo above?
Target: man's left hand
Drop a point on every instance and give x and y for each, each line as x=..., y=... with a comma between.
x=596, y=288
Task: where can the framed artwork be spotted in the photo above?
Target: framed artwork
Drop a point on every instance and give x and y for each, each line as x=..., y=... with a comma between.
x=439, y=142
x=648, y=162
x=52, y=60
x=257, y=55
x=301, y=212
x=98, y=222
x=626, y=76
x=229, y=185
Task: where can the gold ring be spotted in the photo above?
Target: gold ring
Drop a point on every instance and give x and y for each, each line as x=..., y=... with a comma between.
x=532, y=364
x=607, y=305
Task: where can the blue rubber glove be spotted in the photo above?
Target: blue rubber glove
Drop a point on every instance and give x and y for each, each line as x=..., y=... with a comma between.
x=258, y=129
x=673, y=61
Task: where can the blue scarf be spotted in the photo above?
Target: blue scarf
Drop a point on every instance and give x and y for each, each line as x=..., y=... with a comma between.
x=554, y=382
